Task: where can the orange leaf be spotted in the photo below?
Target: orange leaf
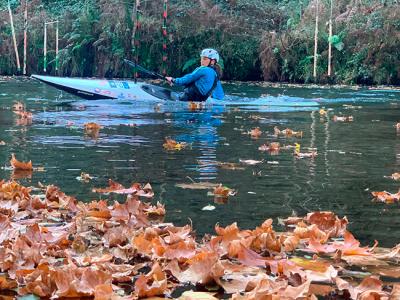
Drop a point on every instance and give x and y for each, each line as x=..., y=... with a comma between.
x=18, y=165
x=171, y=144
x=256, y=133
x=151, y=284
x=7, y=284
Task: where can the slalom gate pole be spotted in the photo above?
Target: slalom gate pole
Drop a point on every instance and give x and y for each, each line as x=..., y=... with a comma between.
x=136, y=39
x=25, y=35
x=45, y=48
x=57, y=46
x=165, y=38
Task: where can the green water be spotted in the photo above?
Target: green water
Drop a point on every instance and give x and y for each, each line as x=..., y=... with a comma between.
x=353, y=158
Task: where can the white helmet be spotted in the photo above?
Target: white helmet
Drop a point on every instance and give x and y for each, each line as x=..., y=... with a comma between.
x=210, y=53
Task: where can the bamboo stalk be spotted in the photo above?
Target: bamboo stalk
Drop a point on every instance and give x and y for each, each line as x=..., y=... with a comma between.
x=316, y=39
x=330, y=42
x=25, y=34
x=14, y=38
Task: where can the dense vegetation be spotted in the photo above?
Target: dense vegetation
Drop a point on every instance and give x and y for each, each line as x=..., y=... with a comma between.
x=258, y=39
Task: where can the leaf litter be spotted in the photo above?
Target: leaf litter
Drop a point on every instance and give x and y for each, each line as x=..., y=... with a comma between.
x=51, y=245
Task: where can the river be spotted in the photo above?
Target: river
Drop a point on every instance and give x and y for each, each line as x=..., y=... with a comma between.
x=354, y=158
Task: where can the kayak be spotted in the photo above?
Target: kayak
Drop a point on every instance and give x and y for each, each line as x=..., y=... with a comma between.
x=96, y=89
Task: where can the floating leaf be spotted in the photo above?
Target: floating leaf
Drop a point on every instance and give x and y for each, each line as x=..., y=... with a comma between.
x=191, y=295
x=386, y=197
x=85, y=177
x=171, y=145
x=273, y=148
x=395, y=176
x=251, y=162
x=197, y=185
x=342, y=118
x=288, y=132
x=18, y=165
x=255, y=133
x=323, y=112
x=92, y=129
x=311, y=154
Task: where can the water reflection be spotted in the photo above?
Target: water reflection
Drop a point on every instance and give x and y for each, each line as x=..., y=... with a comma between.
x=202, y=132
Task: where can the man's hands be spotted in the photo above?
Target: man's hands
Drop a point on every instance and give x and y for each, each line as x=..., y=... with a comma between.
x=170, y=80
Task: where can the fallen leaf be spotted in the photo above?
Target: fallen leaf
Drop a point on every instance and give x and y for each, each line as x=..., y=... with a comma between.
x=287, y=132
x=85, y=177
x=255, y=133
x=92, y=129
x=152, y=284
x=386, y=197
x=395, y=176
x=322, y=112
x=222, y=191
x=311, y=154
x=171, y=145
x=251, y=162
x=197, y=185
x=191, y=295
x=342, y=118
x=18, y=165
x=273, y=148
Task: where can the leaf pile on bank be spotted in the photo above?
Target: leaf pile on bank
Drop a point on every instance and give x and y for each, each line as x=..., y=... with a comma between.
x=51, y=245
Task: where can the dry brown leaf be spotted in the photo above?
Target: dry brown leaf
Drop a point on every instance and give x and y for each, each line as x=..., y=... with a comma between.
x=18, y=165
x=386, y=197
x=92, y=129
x=395, y=176
x=172, y=145
x=342, y=118
x=288, y=132
x=152, y=284
x=223, y=191
x=255, y=133
x=273, y=148
x=197, y=185
x=191, y=295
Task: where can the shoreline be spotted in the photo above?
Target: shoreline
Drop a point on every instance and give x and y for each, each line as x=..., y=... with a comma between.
x=4, y=79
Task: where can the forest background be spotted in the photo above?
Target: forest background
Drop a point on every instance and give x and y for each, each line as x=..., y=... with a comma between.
x=268, y=40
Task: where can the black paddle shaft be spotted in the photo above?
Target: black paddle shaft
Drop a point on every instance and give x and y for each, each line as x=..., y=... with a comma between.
x=144, y=70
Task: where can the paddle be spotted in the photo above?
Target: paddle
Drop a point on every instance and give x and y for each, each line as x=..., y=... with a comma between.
x=144, y=70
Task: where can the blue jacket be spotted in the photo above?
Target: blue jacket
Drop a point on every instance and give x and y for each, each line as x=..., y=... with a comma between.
x=203, y=78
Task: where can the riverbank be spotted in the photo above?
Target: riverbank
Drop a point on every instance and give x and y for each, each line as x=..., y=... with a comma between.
x=258, y=83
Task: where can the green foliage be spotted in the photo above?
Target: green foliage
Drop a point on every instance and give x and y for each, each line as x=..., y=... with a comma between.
x=257, y=39
x=365, y=50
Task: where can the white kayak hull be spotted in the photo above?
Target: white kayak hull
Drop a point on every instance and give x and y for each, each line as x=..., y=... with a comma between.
x=96, y=89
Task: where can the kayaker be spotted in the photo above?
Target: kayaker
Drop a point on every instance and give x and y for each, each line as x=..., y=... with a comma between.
x=204, y=81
